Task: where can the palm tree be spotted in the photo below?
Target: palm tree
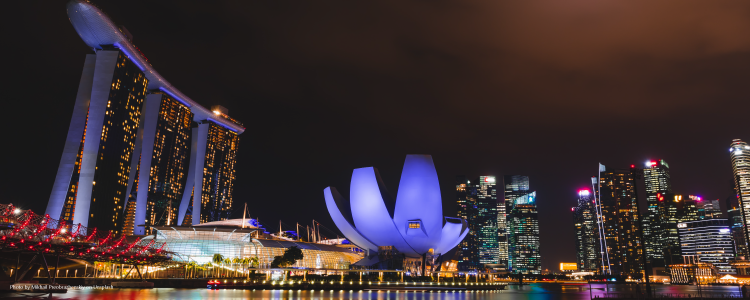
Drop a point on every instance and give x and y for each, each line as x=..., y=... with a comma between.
x=217, y=259
x=235, y=262
x=205, y=268
x=191, y=268
x=227, y=261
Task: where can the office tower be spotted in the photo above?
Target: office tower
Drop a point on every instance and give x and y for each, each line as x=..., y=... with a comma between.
x=706, y=209
x=467, y=253
x=129, y=122
x=523, y=226
x=588, y=252
x=487, y=208
x=709, y=241
x=673, y=210
x=618, y=210
x=740, y=155
x=658, y=187
x=514, y=186
x=477, y=203
x=736, y=224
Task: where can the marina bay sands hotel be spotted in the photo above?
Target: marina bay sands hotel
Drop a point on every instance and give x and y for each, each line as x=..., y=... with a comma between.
x=138, y=151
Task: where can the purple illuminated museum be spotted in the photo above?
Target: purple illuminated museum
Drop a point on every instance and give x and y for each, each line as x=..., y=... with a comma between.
x=412, y=226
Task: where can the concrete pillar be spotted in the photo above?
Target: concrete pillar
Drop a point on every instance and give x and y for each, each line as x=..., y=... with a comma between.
x=73, y=140
x=151, y=117
x=103, y=72
x=190, y=182
x=200, y=158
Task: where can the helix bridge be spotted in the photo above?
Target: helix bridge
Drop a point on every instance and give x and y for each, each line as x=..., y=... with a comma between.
x=25, y=232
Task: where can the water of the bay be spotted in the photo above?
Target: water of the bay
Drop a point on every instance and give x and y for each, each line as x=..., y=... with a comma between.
x=539, y=291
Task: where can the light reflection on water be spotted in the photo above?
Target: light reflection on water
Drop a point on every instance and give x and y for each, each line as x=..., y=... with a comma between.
x=549, y=291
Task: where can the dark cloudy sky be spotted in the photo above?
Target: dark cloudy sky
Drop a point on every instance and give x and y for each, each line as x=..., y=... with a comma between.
x=545, y=88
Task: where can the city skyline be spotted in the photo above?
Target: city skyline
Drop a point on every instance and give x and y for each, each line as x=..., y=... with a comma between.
x=296, y=127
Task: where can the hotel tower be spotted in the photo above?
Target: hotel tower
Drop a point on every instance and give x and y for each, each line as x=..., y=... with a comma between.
x=138, y=151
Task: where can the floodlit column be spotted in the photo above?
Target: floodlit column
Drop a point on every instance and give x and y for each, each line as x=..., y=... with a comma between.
x=200, y=158
x=73, y=140
x=102, y=83
x=190, y=182
x=150, y=116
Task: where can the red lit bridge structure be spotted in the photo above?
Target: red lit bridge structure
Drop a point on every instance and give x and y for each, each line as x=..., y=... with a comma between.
x=25, y=232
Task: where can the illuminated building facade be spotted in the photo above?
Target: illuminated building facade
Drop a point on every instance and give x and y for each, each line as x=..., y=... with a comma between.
x=658, y=187
x=514, y=186
x=618, y=208
x=413, y=224
x=108, y=110
x=523, y=227
x=467, y=253
x=588, y=254
x=128, y=123
x=167, y=134
x=693, y=273
x=216, y=189
x=709, y=241
x=477, y=204
x=739, y=152
x=199, y=243
x=706, y=209
x=736, y=224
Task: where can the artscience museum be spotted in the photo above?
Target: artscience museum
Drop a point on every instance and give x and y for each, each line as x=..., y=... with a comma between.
x=408, y=233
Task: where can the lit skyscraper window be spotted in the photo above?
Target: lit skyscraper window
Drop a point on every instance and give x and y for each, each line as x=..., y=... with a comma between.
x=740, y=155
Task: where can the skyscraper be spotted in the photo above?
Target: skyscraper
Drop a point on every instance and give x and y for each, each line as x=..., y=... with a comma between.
x=523, y=226
x=588, y=253
x=514, y=186
x=487, y=227
x=658, y=187
x=737, y=225
x=131, y=131
x=468, y=252
x=477, y=203
x=618, y=209
x=739, y=152
x=706, y=209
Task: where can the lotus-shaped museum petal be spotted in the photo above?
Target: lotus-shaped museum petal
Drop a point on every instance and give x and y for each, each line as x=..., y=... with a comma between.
x=414, y=223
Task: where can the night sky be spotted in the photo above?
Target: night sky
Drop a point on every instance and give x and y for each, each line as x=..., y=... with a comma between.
x=543, y=88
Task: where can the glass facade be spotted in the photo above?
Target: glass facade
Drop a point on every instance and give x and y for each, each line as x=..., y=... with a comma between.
x=199, y=244
x=739, y=152
x=706, y=209
x=738, y=229
x=514, y=187
x=524, y=238
x=219, y=173
x=112, y=170
x=487, y=221
x=710, y=241
x=117, y=146
x=658, y=187
x=169, y=163
x=468, y=252
x=477, y=204
x=588, y=257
